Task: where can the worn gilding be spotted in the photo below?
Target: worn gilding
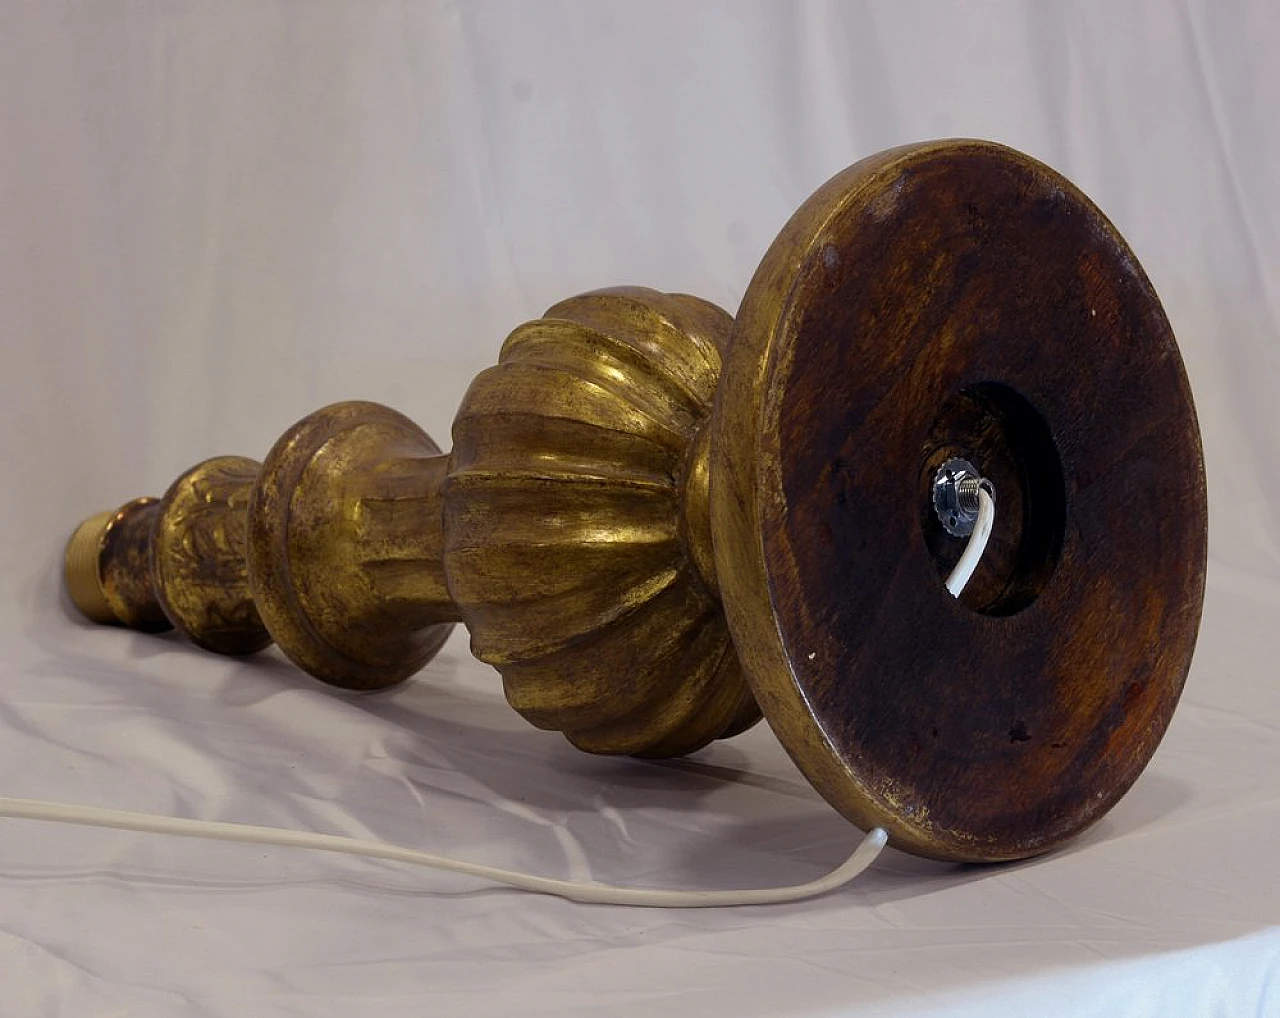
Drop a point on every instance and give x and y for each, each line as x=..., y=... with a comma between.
x=656, y=517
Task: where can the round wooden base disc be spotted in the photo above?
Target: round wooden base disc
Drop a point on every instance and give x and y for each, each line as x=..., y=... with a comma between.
x=958, y=299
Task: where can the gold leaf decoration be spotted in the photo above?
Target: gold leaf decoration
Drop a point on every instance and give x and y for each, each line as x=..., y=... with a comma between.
x=568, y=552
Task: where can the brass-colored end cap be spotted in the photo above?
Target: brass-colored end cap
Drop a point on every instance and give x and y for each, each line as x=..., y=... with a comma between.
x=80, y=568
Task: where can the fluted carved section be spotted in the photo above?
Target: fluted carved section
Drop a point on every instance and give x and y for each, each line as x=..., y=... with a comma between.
x=568, y=550
x=569, y=529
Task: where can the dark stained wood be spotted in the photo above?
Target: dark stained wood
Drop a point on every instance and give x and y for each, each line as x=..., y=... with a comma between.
x=960, y=299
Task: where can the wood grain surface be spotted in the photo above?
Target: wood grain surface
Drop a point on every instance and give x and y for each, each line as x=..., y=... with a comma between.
x=958, y=298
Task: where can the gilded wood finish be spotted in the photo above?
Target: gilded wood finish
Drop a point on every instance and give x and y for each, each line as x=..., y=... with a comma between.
x=344, y=543
x=558, y=529
x=655, y=516
x=197, y=557
x=569, y=547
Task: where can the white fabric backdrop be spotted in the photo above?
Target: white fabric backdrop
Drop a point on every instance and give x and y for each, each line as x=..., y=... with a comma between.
x=215, y=218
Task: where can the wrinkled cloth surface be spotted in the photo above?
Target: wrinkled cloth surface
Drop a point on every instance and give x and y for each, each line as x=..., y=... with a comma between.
x=215, y=218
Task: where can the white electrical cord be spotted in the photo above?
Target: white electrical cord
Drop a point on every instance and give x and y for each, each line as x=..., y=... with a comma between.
x=972, y=554
x=599, y=894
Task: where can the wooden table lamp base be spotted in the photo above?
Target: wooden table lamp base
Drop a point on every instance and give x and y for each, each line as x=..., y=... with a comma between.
x=658, y=521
